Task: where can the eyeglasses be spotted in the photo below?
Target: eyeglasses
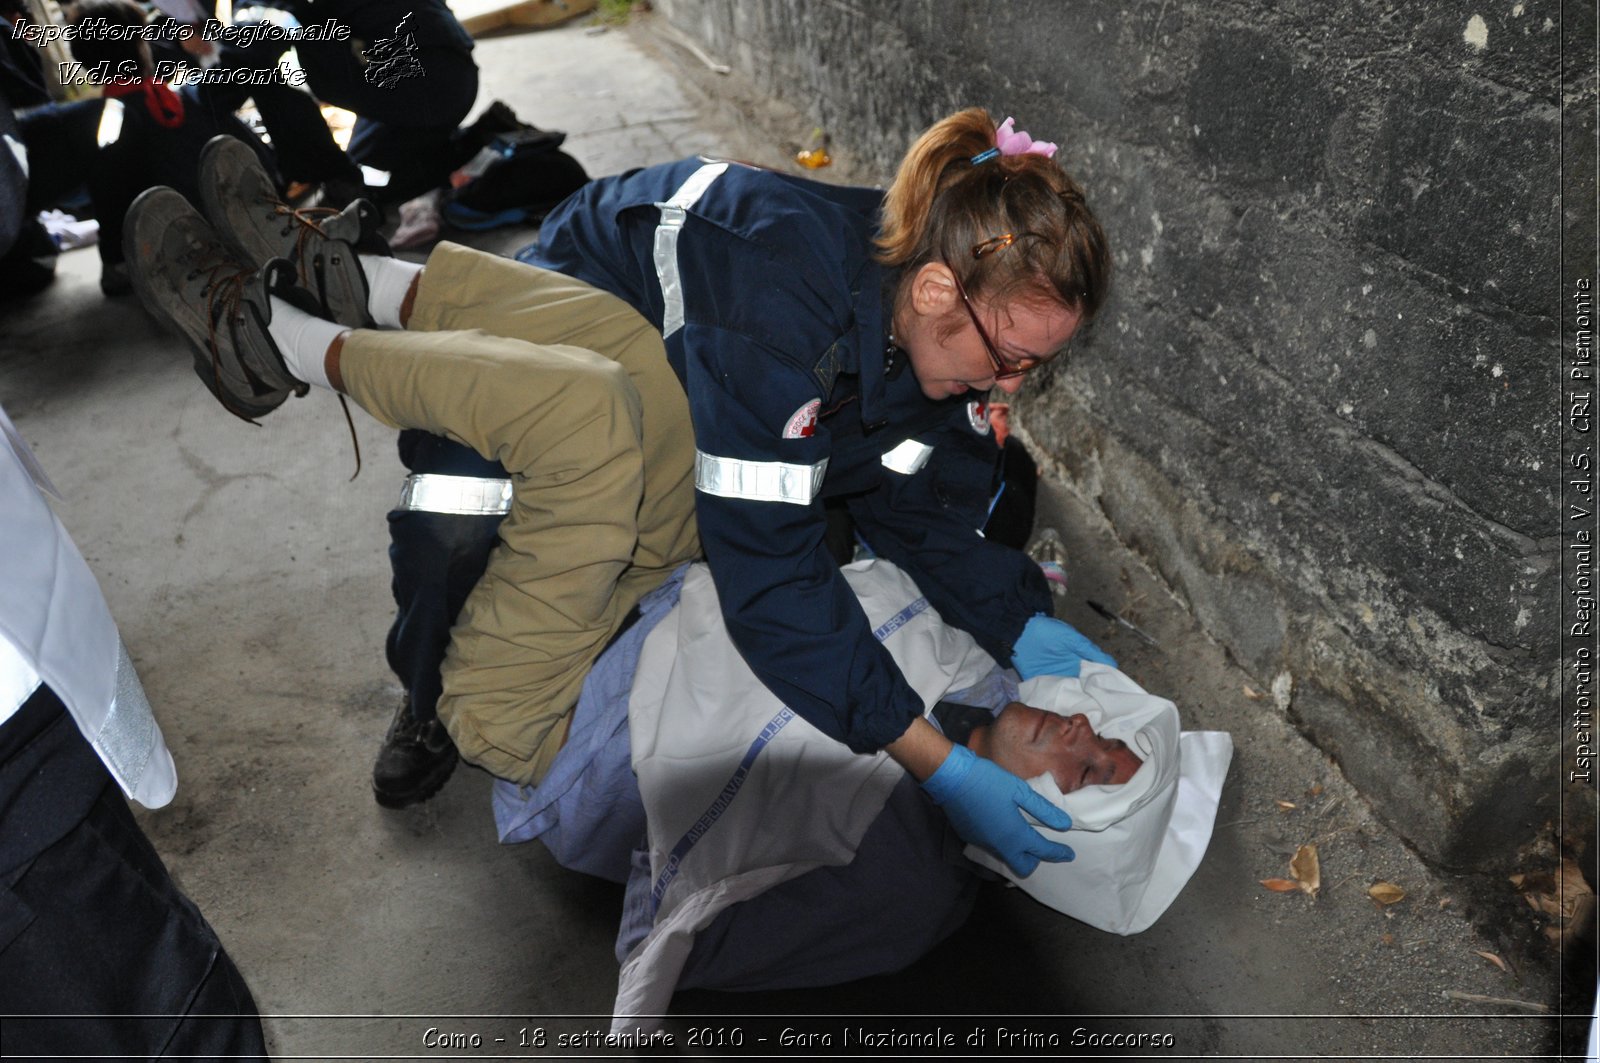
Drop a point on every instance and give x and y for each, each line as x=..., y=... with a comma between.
x=1003, y=369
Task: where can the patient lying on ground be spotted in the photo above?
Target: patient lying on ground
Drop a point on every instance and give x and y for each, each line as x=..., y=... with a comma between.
x=905, y=886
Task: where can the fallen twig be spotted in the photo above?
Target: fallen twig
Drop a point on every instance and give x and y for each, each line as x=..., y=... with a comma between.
x=1239, y=822
x=1475, y=998
x=672, y=34
x=1342, y=881
x=1319, y=839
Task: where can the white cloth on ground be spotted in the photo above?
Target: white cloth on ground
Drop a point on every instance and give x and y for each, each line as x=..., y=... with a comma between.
x=587, y=810
x=716, y=753
x=1137, y=844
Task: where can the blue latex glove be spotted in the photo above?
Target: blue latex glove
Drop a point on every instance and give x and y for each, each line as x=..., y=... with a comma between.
x=985, y=805
x=1053, y=647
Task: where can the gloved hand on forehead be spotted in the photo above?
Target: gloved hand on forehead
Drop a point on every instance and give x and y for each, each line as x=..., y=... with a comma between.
x=1053, y=647
x=985, y=805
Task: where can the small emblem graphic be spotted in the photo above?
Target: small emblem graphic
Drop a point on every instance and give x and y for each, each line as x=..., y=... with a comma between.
x=803, y=422
x=391, y=60
x=978, y=416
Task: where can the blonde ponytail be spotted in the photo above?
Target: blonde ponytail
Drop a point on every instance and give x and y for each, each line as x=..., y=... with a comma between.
x=942, y=205
x=941, y=153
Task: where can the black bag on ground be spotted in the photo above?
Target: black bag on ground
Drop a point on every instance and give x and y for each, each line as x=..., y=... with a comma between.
x=517, y=178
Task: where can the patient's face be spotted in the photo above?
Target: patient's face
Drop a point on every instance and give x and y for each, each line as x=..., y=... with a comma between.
x=1028, y=741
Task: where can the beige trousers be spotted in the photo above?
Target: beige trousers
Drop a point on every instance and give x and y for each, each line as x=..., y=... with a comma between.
x=569, y=389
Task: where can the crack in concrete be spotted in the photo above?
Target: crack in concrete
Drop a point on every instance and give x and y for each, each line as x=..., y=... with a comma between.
x=211, y=481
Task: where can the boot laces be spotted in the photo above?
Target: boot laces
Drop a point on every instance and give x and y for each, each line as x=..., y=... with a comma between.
x=306, y=222
x=223, y=292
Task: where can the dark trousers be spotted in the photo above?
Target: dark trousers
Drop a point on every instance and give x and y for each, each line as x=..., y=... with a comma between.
x=301, y=139
x=410, y=128
x=100, y=953
x=60, y=138
x=302, y=144
x=436, y=558
x=406, y=123
x=64, y=154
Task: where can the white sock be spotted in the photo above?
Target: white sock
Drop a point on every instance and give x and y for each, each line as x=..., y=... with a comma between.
x=388, y=280
x=303, y=340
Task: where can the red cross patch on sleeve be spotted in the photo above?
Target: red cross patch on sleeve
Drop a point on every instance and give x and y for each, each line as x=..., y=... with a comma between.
x=803, y=422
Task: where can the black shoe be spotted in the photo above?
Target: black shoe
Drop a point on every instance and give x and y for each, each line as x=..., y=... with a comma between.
x=415, y=761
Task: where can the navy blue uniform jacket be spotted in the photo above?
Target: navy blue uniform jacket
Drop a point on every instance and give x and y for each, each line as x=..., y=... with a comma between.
x=776, y=320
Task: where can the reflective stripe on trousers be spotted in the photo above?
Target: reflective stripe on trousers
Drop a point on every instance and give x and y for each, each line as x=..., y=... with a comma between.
x=469, y=496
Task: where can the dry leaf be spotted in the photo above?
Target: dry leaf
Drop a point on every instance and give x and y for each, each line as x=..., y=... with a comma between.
x=1564, y=896
x=1284, y=806
x=1445, y=902
x=1306, y=868
x=1315, y=791
x=1280, y=885
x=1582, y=915
x=1252, y=693
x=1570, y=882
x=1492, y=958
x=1387, y=939
x=1386, y=893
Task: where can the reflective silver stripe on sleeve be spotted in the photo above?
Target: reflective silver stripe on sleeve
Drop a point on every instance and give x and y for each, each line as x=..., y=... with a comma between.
x=470, y=496
x=673, y=213
x=127, y=736
x=759, y=481
x=908, y=457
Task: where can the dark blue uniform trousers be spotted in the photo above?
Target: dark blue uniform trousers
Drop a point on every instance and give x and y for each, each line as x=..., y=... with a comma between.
x=100, y=953
x=436, y=558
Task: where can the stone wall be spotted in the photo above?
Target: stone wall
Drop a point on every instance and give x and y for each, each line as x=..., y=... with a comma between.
x=1322, y=402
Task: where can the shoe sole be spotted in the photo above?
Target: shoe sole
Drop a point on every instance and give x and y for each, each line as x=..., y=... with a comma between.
x=137, y=256
x=213, y=157
x=431, y=784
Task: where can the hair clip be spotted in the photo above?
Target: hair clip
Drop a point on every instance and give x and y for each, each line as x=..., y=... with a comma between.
x=1009, y=140
x=984, y=156
x=994, y=243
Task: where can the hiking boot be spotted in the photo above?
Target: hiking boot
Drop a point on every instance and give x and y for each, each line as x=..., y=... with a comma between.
x=243, y=203
x=415, y=761
x=190, y=279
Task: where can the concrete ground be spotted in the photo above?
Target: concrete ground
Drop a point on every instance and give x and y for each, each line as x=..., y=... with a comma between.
x=248, y=572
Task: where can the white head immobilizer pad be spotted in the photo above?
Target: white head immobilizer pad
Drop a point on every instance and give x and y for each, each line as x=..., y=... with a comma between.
x=1138, y=843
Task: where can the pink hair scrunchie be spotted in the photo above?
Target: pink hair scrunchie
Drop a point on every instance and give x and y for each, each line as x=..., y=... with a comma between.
x=1013, y=141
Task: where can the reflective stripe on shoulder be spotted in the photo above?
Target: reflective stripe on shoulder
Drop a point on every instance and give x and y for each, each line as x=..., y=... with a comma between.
x=466, y=496
x=908, y=457
x=758, y=481
x=673, y=213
